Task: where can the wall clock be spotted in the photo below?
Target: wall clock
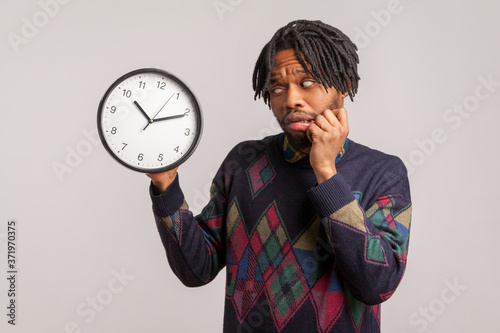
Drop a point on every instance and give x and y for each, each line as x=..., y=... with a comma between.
x=149, y=121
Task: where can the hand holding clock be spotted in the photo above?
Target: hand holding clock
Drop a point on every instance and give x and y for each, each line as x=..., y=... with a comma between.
x=161, y=181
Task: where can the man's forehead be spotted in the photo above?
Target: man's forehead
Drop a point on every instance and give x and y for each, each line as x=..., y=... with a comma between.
x=286, y=61
x=291, y=64
x=285, y=58
x=288, y=70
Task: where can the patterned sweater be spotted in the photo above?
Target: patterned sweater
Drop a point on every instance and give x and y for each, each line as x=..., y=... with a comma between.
x=299, y=257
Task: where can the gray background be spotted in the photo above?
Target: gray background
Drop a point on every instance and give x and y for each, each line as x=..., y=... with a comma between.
x=77, y=230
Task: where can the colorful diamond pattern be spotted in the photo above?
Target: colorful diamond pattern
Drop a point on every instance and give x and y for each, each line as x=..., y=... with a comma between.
x=356, y=309
x=267, y=263
x=382, y=215
x=237, y=237
x=174, y=224
x=269, y=241
x=287, y=288
x=260, y=174
x=263, y=260
x=249, y=285
x=323, y=295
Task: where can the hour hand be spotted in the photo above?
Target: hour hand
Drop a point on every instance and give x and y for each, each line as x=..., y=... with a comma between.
x=143, y=112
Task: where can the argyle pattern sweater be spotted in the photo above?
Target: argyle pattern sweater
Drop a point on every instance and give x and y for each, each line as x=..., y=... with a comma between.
x=299, y=257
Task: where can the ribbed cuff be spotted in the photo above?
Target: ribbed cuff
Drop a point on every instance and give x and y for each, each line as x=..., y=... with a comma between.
x=169, y=202
x=331, y=195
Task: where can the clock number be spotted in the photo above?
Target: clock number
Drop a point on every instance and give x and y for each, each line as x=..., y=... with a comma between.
x=142, y=84
x=124, y=145
x=178, y=95
x=176, y=149
x=127, y=93
x=113, y=130
x=140, y=157
x=160, y=157
x=186, y=111
x=161, y=85
x=113, y=109
x=186, y=133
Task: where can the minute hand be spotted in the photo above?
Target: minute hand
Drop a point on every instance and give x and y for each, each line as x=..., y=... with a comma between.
x=171, y=117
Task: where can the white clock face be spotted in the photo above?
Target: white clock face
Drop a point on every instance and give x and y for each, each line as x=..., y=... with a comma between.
x=149, y=121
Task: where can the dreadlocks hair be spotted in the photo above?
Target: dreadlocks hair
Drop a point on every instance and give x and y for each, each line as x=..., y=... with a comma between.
x=331, y=56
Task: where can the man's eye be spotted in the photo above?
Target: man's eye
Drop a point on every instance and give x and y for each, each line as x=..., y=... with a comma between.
x=276, y=91
x=307, y=83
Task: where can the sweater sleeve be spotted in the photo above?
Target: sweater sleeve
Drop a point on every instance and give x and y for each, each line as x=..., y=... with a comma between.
x=194, y=244
x=370, y=244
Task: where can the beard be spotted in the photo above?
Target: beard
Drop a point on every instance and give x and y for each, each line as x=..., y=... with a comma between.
x=299, y=140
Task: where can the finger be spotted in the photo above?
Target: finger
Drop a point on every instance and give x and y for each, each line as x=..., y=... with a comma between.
x=323, y=120
x=342, y=118
x=334, y=124
x=339, y=119
x=331, y=117
x=314, y=131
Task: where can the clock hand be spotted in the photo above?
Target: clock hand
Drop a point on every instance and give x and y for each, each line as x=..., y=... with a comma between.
x=164, y=105
x=143, y=112
x=165, y=118
x=171, y=117
x=152, y=120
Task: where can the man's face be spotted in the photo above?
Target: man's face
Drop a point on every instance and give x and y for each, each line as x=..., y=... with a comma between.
x=296, y=98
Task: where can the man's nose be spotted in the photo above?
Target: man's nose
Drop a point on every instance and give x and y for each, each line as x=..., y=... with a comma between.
x=294, y=98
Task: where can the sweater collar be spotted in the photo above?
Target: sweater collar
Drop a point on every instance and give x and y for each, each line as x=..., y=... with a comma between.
x=293, y=156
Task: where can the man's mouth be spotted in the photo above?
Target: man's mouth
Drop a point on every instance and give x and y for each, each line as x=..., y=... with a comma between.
x=303, y=121
x=298, y=122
